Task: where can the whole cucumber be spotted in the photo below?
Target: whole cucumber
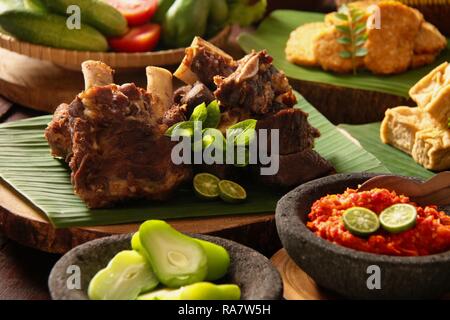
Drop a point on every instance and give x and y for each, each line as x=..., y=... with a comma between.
x=51, y=30
x=96, y=13
x=34, y=5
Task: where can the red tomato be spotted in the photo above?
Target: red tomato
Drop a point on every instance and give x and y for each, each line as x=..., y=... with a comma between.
x=138, y=39
x=137, y=12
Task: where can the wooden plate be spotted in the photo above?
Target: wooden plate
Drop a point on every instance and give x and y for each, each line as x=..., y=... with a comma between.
x=297, y=284
x=70, y=59
x=24, y=223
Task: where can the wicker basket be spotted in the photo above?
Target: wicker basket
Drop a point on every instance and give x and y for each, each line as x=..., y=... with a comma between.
x=436, y=12
x=71, y=60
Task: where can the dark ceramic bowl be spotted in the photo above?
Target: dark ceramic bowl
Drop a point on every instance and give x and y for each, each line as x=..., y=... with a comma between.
x=347, y=271
x=254, y=274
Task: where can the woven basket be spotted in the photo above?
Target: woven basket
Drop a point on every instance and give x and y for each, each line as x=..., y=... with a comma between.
x=71, y=59
x=436, y=12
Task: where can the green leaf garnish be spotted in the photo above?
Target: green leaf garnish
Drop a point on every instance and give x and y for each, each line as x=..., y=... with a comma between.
x=354, y=34
x=344, y=40
x=200, y=113
x=213, y=115
x=243, y=132
x=181, y=129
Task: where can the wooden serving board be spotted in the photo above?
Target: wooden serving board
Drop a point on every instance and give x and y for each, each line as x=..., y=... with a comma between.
x=24, y=223
x=297, y=284
x=41, y=85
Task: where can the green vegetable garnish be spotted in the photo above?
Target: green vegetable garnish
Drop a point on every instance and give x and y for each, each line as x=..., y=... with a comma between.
x=198, y=291
x=354, y=34
x=127, y=275
x=181, y=129
x=177, y=259
x=243, y=132
x=231, y=192
x=200, y=113
x=398, y=218
x=360, y=221
x=213, y=118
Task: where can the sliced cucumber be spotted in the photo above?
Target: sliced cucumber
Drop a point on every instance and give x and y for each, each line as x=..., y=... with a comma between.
x=197, y=291
x=127, y=275
x=177, y=259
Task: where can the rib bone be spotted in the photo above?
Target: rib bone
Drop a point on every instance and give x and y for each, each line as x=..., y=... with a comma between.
x=96, y=74
x=159, y=85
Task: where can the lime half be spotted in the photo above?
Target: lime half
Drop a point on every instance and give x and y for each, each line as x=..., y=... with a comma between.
x=206, y=186
x=398, y=218
x=231, y=191
x=361, y=221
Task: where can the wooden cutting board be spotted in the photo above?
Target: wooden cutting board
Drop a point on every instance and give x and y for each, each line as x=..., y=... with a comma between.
x=297, y=284
x=24, y=223
x=42, y=85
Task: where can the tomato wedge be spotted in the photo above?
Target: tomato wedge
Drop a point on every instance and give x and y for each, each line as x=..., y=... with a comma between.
x=137, y=12
x=138, y=39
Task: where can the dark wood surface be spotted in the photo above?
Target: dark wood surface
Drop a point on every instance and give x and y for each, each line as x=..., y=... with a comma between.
x=24, y=271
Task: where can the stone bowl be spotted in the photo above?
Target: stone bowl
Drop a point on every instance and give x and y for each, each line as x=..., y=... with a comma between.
x=346, y=271
x=250, y=270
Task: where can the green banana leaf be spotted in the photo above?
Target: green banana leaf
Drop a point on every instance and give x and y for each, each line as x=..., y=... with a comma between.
x=26, y=164
x=395, y=160
x=273, y=34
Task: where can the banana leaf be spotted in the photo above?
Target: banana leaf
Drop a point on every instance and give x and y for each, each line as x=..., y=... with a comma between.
x=26, y=165
x=273, y=34
x=395, y=160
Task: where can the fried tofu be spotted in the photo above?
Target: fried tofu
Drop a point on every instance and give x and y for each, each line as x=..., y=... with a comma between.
x=400, y=126
x=300, y=46
x=432, y=94
x=429, y=40
x=432, y=148
x=390, y=48
x=413, y=131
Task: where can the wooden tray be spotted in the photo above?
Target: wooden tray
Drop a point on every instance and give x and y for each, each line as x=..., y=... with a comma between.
x=22, y=222
x=298, y=285
x=70, y=59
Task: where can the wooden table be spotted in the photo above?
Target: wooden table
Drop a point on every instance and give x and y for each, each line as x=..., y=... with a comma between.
x=24, y=271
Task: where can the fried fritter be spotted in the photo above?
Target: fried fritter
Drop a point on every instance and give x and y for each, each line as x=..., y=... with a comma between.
x=327, y=51
x=429, y=40
x=300, y=46
x=420, y=60
x=390, y=48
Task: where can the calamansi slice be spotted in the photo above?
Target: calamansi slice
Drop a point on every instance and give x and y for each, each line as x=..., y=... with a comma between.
x=206, y=186
x=361, y=221
x=231, y=191
x=398, y=218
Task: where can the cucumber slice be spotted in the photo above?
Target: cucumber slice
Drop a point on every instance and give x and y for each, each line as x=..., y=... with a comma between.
x=127, y=275
x=217, y=256
x=177, y=259
x=398, y=218
x=197, y=291
x=361, y=221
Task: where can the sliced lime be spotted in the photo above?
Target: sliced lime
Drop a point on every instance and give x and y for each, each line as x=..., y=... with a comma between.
x=231, y=191
x=398, y=218
x=360, y=221
x=206, y=186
